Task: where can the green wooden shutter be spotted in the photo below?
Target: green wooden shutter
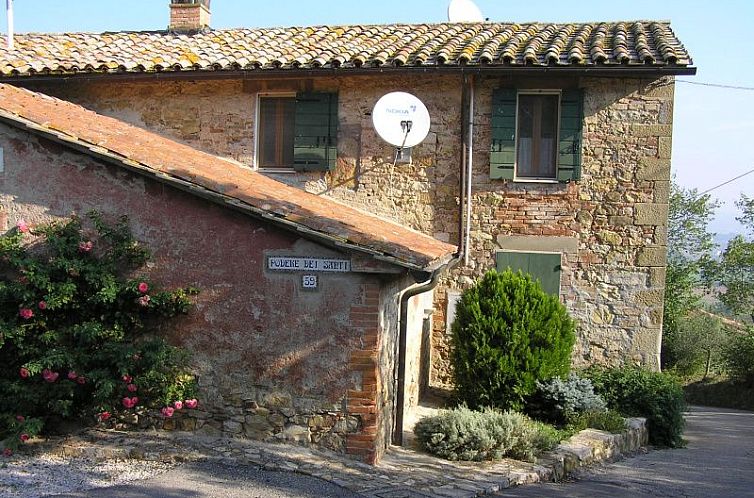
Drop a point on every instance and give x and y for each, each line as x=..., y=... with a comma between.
x=544, y=267
x=315, y=142
x=503, y=147
x=569, y=146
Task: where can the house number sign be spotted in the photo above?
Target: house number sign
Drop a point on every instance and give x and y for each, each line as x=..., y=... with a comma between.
x=293, y=264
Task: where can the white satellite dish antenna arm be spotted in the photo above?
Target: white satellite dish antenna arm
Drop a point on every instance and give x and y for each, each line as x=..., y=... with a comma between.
x=406, y=127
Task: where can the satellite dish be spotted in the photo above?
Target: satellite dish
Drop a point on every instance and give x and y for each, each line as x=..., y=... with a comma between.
x=464, y=11
x=401, y=119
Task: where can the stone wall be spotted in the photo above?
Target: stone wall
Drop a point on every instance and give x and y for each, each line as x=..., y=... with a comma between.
x=610, y=225
x=273, y=361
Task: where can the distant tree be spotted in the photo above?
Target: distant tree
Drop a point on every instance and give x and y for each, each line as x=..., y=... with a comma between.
x=698, y=344
x=735, y=271
x=690, y=246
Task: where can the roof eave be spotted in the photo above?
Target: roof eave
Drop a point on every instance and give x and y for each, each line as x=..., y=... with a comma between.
x=213, y=196
x=193, y=74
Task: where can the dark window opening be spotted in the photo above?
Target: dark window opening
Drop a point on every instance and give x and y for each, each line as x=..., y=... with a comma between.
x=276, y=131
x=537, y=148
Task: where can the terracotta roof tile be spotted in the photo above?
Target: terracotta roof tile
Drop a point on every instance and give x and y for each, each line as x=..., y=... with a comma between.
x=220, y=179
x=625, y=44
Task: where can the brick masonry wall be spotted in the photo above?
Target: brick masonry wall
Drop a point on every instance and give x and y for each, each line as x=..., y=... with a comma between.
x=274, y=362
x=611, y=225
x=188, y=17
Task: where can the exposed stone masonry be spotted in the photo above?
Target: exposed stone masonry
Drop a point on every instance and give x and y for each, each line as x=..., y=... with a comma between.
x=612, y=272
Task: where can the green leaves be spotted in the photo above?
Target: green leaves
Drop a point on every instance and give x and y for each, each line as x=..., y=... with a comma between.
x=636, y=392
x=72, y=323
x=508, y=334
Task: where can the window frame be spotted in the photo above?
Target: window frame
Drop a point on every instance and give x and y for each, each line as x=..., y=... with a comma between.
x=533, y=179
x=257, y=131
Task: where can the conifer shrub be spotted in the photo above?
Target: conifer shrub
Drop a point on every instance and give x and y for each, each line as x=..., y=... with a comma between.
x=78, y=329
x=508, y=334
x=637, y=392
x=557, y=400
x=489, y=434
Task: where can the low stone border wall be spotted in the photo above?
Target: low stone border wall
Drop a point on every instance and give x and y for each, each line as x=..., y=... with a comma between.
x=402, y=472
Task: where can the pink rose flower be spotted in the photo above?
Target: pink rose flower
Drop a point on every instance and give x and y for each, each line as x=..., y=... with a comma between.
x=81, y=380
x=127, y=403
x=72, y=375
x=144, y=300
x=168, y=411
x=104, y=416
x=24, y=373
x=85, y=247
x=178, y=405
x=191, y=403
x=127, y=378
x=23, y=437
x=22, y=226
x=42, y=305
x=143, y=287
x=20, y=418
x=7, y=452
x=132, y=388
x=49, y=375
x=25, y=313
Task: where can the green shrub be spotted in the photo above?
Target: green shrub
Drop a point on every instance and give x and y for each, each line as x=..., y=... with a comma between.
x=556, y=400
x=76, y=333
x=507, y=335
x=603, y=420
x=636, y=392
x=738, y=357
x=464, y=434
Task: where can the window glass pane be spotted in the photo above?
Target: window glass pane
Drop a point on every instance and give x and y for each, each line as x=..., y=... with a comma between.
x=526, y=120
x=287, y=131
x=276, y=131
x=548, y=136
x=536, y=154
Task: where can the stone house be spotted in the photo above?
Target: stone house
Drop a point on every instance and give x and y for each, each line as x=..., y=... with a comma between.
x=295, y=333
x=549, y=146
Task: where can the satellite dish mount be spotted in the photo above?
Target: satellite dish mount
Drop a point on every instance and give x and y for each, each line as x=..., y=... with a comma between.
x=402, y=120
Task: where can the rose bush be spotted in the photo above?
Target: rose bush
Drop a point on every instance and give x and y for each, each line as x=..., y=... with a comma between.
x=78, y=333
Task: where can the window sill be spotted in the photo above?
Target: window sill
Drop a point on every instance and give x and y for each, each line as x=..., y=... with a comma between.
x=276, y=170
x=536, y=180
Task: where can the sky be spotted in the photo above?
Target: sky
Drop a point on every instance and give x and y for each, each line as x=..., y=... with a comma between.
x=713, y=129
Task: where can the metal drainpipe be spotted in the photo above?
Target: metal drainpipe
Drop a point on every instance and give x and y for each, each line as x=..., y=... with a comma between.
x=469, y=171
x=464, y=187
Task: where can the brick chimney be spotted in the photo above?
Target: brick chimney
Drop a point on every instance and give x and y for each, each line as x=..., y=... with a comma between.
x=189, y=15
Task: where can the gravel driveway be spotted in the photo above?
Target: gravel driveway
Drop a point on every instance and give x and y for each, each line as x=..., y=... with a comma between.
x=220, y=481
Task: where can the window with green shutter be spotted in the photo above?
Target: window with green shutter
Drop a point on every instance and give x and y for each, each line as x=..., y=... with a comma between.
x=298, y=132
x=542, y=266
x=536, y=135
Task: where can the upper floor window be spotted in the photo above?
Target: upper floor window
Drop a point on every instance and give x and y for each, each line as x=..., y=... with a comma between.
x=277, y=116
x=536, y=135
x=297, y=132
x=536, y=151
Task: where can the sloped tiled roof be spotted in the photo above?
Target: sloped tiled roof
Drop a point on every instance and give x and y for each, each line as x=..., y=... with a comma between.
x=627, y=45
x=221, y=180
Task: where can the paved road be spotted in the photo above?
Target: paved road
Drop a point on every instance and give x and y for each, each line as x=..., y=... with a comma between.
x=209, y=480
x=718, y=463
